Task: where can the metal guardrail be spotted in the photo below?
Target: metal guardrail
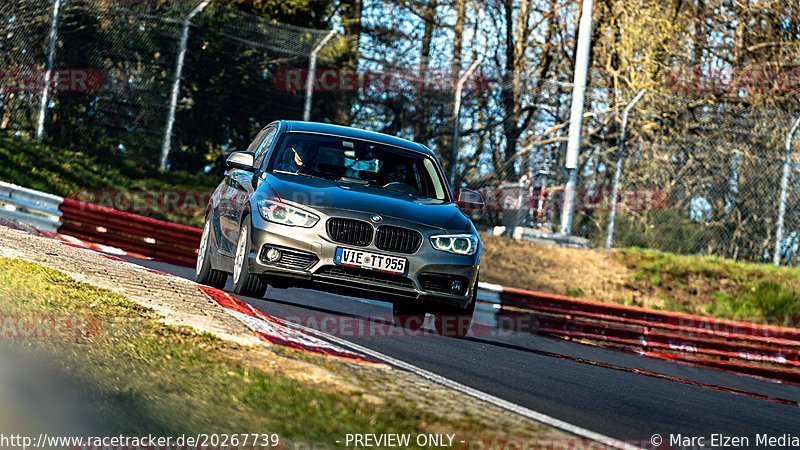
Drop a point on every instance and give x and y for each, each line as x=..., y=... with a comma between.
x=29, y=206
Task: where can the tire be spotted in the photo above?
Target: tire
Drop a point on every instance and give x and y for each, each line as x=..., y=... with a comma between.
x=204, y=273
x=244, y=282
x=410, y=316
x=454, y=321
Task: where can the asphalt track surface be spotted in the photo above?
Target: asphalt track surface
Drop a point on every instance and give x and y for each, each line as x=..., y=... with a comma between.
x=607, y=392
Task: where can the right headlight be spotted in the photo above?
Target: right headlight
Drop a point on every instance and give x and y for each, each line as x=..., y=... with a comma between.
x=459, y=244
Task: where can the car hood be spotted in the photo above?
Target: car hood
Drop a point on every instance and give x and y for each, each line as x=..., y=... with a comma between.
x=326, y=194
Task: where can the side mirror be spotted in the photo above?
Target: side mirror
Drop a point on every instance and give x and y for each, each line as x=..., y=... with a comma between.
x=468, y=199
x=241, y=160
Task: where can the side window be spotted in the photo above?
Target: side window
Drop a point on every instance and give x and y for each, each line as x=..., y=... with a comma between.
x=263, y=146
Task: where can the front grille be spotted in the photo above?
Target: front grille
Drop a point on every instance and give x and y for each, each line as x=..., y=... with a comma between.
x=290, y=259
x=349, y=231
x=442, y=283
x=400, y=240
x=365, y=276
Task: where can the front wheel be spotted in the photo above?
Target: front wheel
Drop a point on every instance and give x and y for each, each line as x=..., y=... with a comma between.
x=244, y=282
x=204, y=273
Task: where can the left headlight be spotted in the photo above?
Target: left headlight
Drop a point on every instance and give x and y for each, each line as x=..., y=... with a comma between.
x=277, y=212
x=459, y=244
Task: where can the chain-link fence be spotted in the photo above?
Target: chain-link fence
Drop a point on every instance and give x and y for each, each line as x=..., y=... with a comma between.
x=120, y=68
x=714, y=171
x=695, y=176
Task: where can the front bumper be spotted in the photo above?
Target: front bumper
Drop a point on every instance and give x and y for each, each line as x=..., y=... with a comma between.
x=308, y=258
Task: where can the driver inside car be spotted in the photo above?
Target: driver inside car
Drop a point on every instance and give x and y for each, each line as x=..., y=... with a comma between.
x=395, y=177
x=298, y=160
x=394, y=172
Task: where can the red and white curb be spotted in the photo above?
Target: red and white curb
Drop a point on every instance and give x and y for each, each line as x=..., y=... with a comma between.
x=277, y=331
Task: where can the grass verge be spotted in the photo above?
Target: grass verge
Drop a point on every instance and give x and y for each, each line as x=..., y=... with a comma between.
x=140, y=376
x=718, y=287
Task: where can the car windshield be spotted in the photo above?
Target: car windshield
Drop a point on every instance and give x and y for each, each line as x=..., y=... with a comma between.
x=354, y=161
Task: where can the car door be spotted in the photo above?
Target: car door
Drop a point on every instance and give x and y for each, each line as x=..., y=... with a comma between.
x=241, y=185
x=227, y=218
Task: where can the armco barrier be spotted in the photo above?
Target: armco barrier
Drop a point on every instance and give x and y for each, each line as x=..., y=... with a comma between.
x=156, y=239
x=31, y=207
x=169, y=242
x=760, y=350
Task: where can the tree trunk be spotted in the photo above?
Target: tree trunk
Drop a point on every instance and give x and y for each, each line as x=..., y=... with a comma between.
x=421, y=133
x=446, y=140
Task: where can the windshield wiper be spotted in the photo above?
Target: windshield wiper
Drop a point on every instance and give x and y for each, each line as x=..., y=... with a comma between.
x=299, y=174
x=354, y=181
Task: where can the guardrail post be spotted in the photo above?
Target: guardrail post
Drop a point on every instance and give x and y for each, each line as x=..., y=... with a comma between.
x=612, y=216
x=48, y=69
x=787, y=162
x=176, y=83
x=311, y=77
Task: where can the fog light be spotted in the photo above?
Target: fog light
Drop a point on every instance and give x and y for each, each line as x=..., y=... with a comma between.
x=273, y=255
x=456, y=286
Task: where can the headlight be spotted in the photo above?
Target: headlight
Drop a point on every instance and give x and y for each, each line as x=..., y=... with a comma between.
x=277, y=212
x=460, y=244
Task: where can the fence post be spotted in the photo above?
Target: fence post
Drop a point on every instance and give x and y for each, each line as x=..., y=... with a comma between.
x=176, y=83
x=612, y=216
x=311, y=77
x=457, y=116
x=787, y=162
x=48, y=69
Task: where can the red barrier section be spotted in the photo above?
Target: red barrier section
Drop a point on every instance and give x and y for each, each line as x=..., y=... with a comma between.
x=165, y=241
x=746, y=348
x=679, y=321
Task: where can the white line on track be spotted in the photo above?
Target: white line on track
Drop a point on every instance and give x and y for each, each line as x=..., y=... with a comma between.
x=472, y=392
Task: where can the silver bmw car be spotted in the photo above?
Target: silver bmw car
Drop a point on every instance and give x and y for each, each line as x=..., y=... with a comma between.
x=345, y=210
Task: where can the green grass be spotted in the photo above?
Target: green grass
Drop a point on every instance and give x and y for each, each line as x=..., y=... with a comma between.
x=141, y=376
x=575, y=292
x=718, y=287
x=73, y=174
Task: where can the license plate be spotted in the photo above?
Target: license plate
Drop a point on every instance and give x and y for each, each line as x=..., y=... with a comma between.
x=368, y=260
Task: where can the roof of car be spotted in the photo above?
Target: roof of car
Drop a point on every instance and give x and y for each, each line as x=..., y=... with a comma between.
x=355, y=133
